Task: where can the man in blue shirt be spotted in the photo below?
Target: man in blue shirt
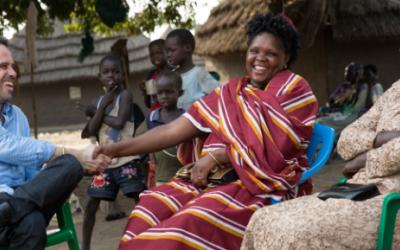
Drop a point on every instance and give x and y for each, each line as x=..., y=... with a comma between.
x=29, y=196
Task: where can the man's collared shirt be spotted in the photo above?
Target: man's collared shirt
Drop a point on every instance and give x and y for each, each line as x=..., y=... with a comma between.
x=21, y=156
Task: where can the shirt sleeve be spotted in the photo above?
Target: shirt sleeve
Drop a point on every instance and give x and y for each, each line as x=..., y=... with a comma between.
x=208, y=83
x=359, y=136
x=385, y=160
x=23, y=151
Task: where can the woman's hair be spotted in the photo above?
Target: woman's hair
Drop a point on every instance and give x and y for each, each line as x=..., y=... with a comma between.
x=279, y=26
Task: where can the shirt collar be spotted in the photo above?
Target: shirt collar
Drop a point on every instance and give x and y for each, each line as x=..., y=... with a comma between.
x=6, y=108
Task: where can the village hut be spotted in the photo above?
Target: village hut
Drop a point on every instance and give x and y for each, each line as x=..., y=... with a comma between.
x=333, y=33
x=61, y=81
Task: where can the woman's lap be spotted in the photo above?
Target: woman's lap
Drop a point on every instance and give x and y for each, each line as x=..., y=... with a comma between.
x=310, y=223
x=217, y=217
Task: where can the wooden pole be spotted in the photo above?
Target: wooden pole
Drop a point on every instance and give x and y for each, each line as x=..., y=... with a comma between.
x=35, y=129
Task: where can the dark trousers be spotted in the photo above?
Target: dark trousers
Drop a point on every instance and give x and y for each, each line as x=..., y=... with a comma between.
x=34, y=203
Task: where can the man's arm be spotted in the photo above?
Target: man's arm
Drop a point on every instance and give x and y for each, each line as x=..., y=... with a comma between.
x=24, y=151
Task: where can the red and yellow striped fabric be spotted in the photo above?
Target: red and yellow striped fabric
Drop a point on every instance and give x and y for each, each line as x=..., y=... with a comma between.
x=265, y=133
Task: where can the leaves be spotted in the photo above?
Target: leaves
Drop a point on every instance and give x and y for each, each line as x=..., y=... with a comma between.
x=100, y=16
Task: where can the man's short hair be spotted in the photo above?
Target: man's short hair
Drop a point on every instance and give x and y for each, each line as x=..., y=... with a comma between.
x=157, y=43
x=3, y=41
x=112, y=57
x=173, y=77
x=184, y=36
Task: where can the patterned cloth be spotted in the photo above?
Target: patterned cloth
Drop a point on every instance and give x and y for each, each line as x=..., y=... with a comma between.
x=265, y=133
x=310, y=223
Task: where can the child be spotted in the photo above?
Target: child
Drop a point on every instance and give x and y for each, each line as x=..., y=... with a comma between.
x=110, y=123
x=196, y=81
x=158, y=59
x=169, y=89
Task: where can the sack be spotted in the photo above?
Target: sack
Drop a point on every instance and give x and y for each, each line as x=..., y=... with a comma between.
x=355, y=192
x=217, y=175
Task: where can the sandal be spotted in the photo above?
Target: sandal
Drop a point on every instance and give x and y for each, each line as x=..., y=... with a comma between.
x=115, y=216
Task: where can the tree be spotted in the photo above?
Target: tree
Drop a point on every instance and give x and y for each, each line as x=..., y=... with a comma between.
x=99, y=16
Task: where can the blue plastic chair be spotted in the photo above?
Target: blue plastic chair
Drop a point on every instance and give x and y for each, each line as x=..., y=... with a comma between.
x=318, y=151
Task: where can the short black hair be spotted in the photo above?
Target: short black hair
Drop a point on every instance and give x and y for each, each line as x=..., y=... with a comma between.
x=3, y=41
x=372, y=68
x=157, y=43
x=279, y=26
x=184, y=36
x=173, y=77
x=113, y=58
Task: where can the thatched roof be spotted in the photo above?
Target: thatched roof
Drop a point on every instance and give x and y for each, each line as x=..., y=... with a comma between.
x=224, y=31
x=58, y=56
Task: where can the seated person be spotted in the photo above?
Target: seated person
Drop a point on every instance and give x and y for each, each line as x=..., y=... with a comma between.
x=258, y=126
x=375, y=88
x=348, y=100
x=29, y=196
x=371, y=146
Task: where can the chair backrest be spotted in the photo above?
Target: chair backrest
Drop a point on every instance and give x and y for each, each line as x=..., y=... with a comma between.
x=319, y=150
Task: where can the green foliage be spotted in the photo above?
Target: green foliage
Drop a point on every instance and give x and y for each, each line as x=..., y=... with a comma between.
x=99, y=16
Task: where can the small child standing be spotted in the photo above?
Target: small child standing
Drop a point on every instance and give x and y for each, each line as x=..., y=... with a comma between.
x=111, y=122
x=159, y=61
x=196, y=81
x=169, y=89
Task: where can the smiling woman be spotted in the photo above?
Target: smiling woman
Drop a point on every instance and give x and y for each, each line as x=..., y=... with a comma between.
x=259, y=125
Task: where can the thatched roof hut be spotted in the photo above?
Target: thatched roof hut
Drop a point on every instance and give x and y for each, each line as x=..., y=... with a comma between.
x=224, y=31
x=333, y=33
x=60, y=80
x=58, y=56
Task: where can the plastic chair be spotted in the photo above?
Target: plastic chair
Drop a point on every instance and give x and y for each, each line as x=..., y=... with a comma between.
x=66, y=230
x=390, y=208
x=318, y=151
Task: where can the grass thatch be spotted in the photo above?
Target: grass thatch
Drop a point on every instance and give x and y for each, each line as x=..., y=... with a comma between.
x=349, y=20
x=58, y=56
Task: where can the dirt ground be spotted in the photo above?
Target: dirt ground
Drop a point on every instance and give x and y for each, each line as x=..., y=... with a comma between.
x=107, y=233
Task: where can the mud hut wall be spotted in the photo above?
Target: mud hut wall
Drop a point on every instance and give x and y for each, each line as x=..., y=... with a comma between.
x=53, y=104
x=385, y=55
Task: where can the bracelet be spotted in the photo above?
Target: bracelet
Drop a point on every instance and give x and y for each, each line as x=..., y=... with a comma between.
x=215, y=159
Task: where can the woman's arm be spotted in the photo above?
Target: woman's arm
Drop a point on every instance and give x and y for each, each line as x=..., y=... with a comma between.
x=158, y=138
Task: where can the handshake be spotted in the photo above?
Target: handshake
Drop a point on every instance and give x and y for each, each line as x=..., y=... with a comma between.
x=85, y=157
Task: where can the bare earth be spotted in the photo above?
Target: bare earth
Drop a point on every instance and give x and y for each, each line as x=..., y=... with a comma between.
x=107, y=233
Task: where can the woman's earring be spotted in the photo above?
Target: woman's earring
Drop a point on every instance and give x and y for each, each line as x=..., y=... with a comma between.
x=285, y=66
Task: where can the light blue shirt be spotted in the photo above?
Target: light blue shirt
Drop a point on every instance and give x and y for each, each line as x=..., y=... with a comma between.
x=196, y=83
x=21, y=156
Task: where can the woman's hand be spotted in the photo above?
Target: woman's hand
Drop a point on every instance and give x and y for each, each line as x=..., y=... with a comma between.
x=200, y=171
x=353, y=166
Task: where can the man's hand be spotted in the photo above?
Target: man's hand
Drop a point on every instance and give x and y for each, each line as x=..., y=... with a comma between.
x=104, y=150
x=351, y=167
x=98, y=165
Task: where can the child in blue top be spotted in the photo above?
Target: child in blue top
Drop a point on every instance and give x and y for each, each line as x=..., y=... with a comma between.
x=169, y=89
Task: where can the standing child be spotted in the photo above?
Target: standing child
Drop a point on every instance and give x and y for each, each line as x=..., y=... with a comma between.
x=196, y=81
x=169, y=89
x=110, y=123
x=158, y=59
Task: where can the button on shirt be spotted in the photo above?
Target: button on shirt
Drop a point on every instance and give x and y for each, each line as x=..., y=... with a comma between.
x=21, y=156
